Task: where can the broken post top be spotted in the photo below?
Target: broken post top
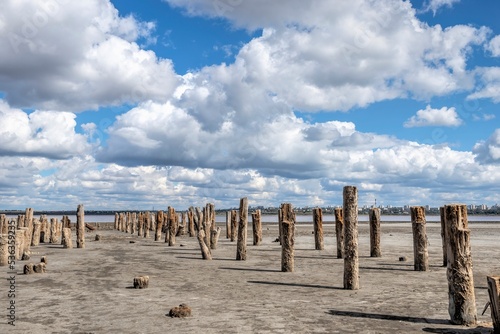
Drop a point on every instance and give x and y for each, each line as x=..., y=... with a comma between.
x=417, y=214
x=457, y=215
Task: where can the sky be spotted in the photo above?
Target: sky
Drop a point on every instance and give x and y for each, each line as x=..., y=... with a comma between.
x=130, y=105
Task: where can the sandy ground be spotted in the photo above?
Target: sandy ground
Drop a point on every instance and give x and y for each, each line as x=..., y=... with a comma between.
x=90, y=290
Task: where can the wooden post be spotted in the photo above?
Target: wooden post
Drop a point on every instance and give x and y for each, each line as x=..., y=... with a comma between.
x=228, y=224
x=444, y=238
x=3, y=224
x=80, y=227
x=494, y=293
x=182, y=226
x=133, y=228
x=205, y=250
x=286, y=213
x=318, y=229
x=241, y=246
x=214, y=238
x=234, y=225
x=191, y=229
x=140, y=225
x=339, y=232
x=117, y=220
x=257, y=228
x=53, y=231
x=462, y=300
x=287, y=246
x=375, y=232
x=159, y=225
x=420, y=253
x=66, y=238
x=35, y=239
x=351, y=262
x=147, y=224
x=172, y=228
x=29, y=223
x=129, y=223
x=4, y=250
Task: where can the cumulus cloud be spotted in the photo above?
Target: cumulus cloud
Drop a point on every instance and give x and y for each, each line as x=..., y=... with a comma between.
x=434, y=117
x=488, y=151
x=67, y=55
x=40, y=133
x=316, y=56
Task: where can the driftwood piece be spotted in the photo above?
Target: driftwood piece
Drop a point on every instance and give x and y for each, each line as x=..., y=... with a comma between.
x=181, y=311
x=141, y=282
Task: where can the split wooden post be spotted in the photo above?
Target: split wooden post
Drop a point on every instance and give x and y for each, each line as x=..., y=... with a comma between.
x=462, y=300
x=241, y=246
x=66, y=238
x=420, y=253
x=318, y=229
x=234, y=225
x=228, y=224
x=375, y=232
x=257, y=228
x=287, y=246
x=351, y=261
x=444, y=237
x=494, y=293
x=80, y=227
x=339, y=232
x=205, y=250
x=159, y=225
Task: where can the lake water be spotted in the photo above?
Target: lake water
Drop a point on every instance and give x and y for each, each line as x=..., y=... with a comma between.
x=299, y=218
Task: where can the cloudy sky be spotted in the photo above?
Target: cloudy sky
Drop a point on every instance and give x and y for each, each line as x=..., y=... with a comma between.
x=122, y=104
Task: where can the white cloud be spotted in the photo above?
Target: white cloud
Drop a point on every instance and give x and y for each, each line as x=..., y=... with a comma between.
x=67, y=55
x=490, y=88
x=40, y=133
x=494, y=46
x=488, y=151
x=434, y=117
x=434, y=5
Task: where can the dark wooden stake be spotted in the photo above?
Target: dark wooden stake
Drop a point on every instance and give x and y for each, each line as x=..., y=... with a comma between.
x=287, y=246
x=375, y=232
x=339, y=232
x=257, y=228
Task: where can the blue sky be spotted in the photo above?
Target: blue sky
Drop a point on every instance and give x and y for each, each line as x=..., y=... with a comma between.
x=122, y=104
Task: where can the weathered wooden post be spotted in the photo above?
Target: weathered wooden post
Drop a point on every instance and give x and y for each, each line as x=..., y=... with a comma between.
x=159, y=225
x=29, y=223
x=286, y=214
x=53, y=231
x=3, y=224
x=147, y=225
x=214, y=238
x=494, y=293
x=4, y=249
x=182, y=226
x=190, y=217
x=318, y=228
x=140, y=225
x=35, y=239
x=234, y=224
x=420, y=253
x=117, y=221
x=444, y=238
x=257, y=228
x=351, y=262
x=80, y=227
x=287, y=246
x=67, y=242
x=129, y=223
x=462, y=300
x=133, y=228
x=228, y=224
x=339, y=232
x=374, y=214
x=205, y=250
x=172, y=228
x=241, y=246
